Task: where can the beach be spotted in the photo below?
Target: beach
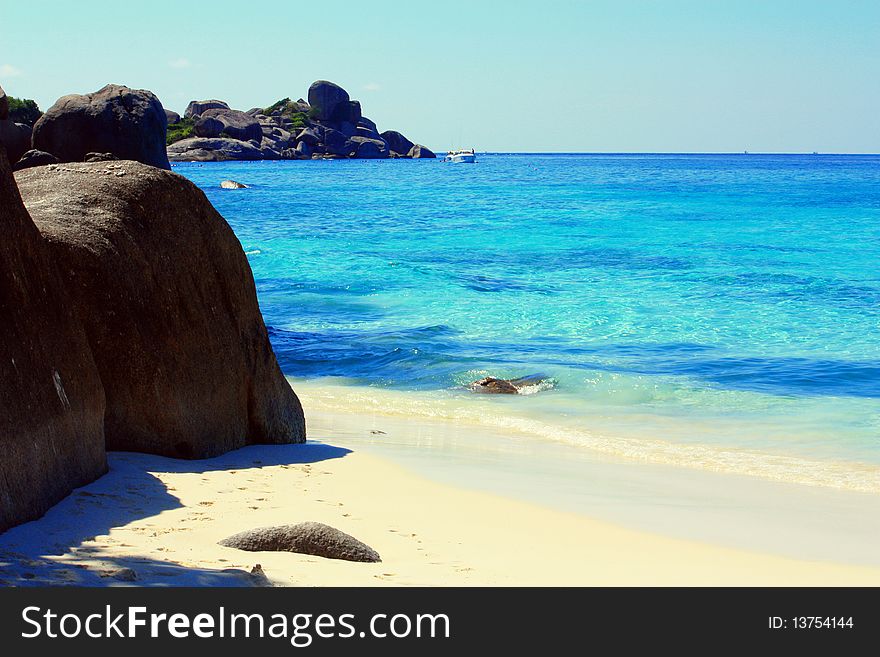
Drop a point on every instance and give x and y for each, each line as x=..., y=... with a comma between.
x=162, y=518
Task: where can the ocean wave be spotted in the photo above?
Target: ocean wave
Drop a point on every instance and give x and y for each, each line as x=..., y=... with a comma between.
x=836, y=474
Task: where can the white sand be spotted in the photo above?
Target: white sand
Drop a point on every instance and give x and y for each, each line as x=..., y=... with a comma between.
x=163, y=518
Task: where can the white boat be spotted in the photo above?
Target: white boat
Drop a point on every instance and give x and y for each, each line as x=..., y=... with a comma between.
x=461, y=155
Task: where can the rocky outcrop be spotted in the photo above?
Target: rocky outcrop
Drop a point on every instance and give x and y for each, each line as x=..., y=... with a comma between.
x=336, y=143
x=34, y=158
x=369, y=149
x=236, y=125
x=309, y=136
x=129, y=123
x=173, y=118
x=329, y=125
x=397, y=142
x=100, y=157
x=420, y=152
x=198, y=107
x=208, y=127
x=51, y=398
x=324, y=99
x=16, y=138
x=168, y=302
x=312, y=538
x=199, y=149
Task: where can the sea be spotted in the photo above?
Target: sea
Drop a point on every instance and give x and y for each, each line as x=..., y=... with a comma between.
x=717, y=311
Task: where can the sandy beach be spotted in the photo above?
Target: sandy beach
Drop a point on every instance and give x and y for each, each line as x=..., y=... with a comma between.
x=162, y=518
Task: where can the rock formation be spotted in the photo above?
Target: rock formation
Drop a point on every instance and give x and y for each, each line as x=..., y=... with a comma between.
x=397, y=142
x=325, y=97
x=51, y=398
x=168, y=302
x=200, y=149
x=492, y=385
x=16, y=138
x=197, y=107
x=236, y=125
x=34, y=158
x=312, y=538
x=329, y=125
x=129, y=123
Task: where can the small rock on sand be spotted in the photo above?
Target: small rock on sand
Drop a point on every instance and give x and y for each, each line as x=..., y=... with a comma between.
x=312, y=538
x=124, y=575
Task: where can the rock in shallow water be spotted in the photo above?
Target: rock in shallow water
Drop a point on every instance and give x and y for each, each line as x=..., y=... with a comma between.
x=312, y=538
x=232, y=184
x=492, y=385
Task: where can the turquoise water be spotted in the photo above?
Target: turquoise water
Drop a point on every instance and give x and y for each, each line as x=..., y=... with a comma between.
x=727, y=302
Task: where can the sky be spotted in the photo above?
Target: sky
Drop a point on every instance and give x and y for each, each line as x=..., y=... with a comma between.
x=555, y=75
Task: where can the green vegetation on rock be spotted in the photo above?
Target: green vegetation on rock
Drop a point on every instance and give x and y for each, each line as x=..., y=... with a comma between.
x=180, y=130
x=23, y=110
x=291, y=110
x=283, y=104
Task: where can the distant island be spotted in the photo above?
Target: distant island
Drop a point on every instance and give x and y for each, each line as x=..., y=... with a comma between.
x=117, y=122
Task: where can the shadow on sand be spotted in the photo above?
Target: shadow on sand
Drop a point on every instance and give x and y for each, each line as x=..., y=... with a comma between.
x=127, y=493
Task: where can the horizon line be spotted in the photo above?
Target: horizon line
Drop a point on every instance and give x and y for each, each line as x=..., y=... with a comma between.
x=816, y=153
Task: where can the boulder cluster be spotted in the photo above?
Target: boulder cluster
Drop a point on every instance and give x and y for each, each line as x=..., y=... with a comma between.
x=128, y=313
x=114, y=122
x=117, y=122
x=329, y=125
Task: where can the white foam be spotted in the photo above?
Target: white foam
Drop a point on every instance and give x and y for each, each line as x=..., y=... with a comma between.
x=842, y=475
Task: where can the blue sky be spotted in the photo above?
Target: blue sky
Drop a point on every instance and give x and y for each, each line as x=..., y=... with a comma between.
x=672, y=75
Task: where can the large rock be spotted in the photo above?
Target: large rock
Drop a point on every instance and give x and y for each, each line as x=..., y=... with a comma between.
x=303, y=151
x=16, y=138
x=237, y=125
x=309, y=136
x=367, y=123
x=198, y=149
x=4, y=105
x=347, y=128
x=324, y=97
x=366, y=131
x=397, y=142
x=349, y=112
x=335, y=142
x=168, y=302
x=172, y=117
x=130, y=123
x=279, y=137
x=420, y=152
x=34, y=159
x=369, y=149
x=197, y=107
x=100, y=157
x=51, y=398
x=208, y=127
x=312, y=538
